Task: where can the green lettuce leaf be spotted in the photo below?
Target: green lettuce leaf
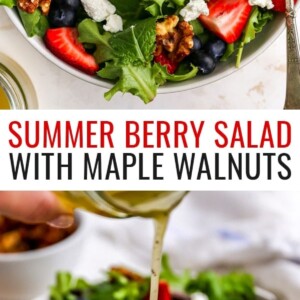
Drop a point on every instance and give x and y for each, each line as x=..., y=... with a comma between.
x=115, y=287
x=234, y=285
x=137, y=80
x=129, y=9
x=154, y=10
x=154, y=7
x=256, y=23
x=158, y=8
x=176, y=281
x=35, y=23
x=184, y=72
x=110, y=71
x=230, y=49
x=132, y=51
x=179, y=3
x=136, y=44
x=89, y=33
x=8, y=3
x=197, y=27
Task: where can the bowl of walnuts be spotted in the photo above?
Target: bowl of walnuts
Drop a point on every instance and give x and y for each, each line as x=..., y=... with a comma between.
x=30, y=255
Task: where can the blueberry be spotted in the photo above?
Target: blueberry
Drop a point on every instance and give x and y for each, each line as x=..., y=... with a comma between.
x=216, y=48
x=205, y=63
x=197, y=45
x=72, y=4
x=61, y=17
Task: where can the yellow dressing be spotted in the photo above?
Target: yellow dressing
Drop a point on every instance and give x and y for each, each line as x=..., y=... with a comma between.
x=4, y=102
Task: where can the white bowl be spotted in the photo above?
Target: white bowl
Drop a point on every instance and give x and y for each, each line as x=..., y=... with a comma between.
x=263, y=40
x=24, y=276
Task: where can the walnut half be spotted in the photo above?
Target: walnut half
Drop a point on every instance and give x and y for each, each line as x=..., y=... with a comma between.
x=30, y=6
x=45, y=6
x=174, y=37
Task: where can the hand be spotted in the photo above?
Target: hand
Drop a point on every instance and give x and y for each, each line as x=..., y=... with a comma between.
x=30, y=207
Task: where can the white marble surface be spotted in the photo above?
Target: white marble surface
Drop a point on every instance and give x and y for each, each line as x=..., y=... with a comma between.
x=259, y=85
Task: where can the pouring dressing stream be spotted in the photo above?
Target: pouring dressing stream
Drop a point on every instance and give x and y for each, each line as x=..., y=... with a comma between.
x=156, y=205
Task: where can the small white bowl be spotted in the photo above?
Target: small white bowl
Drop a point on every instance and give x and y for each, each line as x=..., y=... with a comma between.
x=24, y=276
x=251, y=51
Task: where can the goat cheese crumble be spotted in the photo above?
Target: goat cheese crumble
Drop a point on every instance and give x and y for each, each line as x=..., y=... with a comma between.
x=262, y=3
x=199, y=296
x=114, y=23
x=98, y=10
x=193, y=10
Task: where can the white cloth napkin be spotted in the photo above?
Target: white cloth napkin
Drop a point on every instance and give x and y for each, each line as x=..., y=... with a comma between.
x=259, y=231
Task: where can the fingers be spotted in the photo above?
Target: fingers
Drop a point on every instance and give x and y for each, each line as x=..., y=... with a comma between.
x=30, y=207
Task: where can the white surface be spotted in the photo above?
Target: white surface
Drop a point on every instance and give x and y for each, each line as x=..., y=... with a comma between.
x=260, y=85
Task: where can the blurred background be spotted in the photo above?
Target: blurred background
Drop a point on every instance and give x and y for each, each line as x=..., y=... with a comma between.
x=255, y=231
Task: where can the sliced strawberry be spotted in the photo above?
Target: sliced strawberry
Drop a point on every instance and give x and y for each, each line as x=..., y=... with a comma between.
x=279, y=5
x=63, y=43
x=164, y=60
x=164, y=291
x=227, y=18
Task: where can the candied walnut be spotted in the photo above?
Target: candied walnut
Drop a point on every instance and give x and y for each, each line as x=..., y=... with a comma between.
x=45, y=6
x=174, y=37
x=185, y=43
x=30, y=6
x=167, y=26
x=128, y=274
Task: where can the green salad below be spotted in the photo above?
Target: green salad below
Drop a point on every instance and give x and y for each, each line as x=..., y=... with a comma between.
x=122, y=284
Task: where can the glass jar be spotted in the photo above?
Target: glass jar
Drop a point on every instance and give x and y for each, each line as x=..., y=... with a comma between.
x=16, y=89
x=122, y=204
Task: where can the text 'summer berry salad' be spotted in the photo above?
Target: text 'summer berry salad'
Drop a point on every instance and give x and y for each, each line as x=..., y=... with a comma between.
x=139, y=45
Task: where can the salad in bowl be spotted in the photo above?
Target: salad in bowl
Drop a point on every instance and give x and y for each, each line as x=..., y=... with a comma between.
x=137, y=46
